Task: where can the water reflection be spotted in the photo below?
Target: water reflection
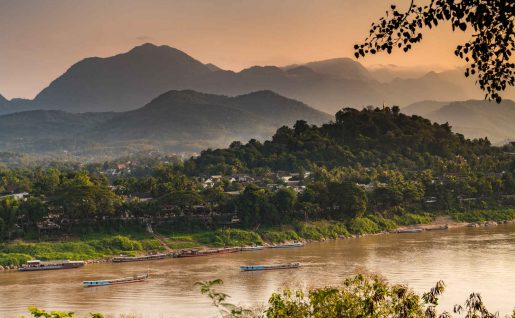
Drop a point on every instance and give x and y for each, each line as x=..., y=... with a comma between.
x=480, y=260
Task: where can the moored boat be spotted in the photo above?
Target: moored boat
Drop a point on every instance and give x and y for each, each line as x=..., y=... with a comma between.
x=37, y=265
x=125, y=280
x=250, y=268
x=287, y=245
x=121, y=259
x=437, y=228
x=410, y=231
x=251, y=248
x=196, y=253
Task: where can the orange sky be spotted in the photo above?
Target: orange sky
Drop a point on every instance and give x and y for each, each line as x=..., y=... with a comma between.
x=40, y=39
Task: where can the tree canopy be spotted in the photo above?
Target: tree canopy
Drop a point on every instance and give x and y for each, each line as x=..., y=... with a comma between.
x=488, y=53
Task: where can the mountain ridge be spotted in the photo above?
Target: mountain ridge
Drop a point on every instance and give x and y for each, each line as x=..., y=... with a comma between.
x=128, y=80
x=473, y=118
x=175, y=120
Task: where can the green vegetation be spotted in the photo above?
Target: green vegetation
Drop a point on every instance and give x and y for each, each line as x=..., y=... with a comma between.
x=16, y=259
x=364, y=296
x=87, y=249
x=484, y=215
x=320, y=230
x=363, y=226
x=368, y=171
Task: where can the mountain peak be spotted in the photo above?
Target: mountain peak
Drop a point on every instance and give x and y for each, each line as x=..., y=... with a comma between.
x=150, y=48
x=186, y=96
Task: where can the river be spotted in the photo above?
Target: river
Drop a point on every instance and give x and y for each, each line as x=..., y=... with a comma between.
x=467, y=259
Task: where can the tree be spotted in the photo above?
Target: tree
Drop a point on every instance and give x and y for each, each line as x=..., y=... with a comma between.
x=284, y=200
x=347, y=199
x=182, y=199
x=33, y=209
x=80, y=197
x=254, y=207
x=9, y=214
x=488, y=53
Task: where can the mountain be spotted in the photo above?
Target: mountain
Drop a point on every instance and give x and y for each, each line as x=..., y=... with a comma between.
x=339, y=68
x=175, y=121
x=472, y=118
x=423, y=108
x=3, y=101
x=129, y=80
x=122, y=82
x=47, y=124
x=432, y=85
x=389, y=72
x=192, y=116
x=213, y=67
x=15, y=105
x=4, y=104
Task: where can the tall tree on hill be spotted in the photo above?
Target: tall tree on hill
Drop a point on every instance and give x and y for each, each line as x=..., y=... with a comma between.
x=488, y=53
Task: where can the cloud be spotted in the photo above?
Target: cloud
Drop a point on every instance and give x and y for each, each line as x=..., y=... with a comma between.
x=143, y=38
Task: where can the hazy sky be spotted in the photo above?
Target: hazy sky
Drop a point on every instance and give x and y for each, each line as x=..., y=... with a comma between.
x=40, y=39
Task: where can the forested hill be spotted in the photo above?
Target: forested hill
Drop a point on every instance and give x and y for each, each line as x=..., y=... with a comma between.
x=370, y=137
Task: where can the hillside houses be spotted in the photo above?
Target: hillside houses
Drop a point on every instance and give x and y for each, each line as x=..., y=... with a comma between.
x=15, y=196
x=274, y=182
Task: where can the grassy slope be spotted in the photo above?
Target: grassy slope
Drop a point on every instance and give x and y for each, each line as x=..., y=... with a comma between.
x=133, y=242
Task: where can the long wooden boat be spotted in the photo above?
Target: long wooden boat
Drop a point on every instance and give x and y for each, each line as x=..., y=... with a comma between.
x=122, y=259
x=251, y=248
x=197, y=253
x=250, y=268
x=437, y=228
x=410, y=231
x=287, y=245
x=125, y=280
x=37, y=265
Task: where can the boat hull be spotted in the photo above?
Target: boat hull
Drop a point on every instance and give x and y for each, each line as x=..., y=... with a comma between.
x=252, y=248
x=208, y=253
x=47, y=267
x=252, y=268
x=287, y=245
x=126, y=280
x=126, y=259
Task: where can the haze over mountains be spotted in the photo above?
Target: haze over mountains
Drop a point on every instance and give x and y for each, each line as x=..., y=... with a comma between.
x=174, y=121
x=129, y=80
x=472, y=118
x=97, y=102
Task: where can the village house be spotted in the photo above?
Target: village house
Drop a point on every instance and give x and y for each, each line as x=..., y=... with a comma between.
x=16, y=196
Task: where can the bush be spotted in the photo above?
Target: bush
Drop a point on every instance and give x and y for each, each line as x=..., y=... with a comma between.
x=363, y=226
x=384, y=224
x=484, y=215
x=410, y=219
x=279, y=235
x=15, y=259
x=321, y=230
x=151, y=244
x=235, y=237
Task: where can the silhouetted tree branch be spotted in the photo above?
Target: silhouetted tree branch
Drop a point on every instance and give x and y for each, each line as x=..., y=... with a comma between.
x=488, y=53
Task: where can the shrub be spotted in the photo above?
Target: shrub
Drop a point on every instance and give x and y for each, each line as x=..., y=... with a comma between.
x=321, y=230
x=484, y=215
x=15, y=259
x=410, y=218
x=384, y=224
x=363, y=226
x=279, y=235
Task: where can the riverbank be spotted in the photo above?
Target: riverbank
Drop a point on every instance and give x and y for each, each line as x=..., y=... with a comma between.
x=99, y=248
x=466, y=259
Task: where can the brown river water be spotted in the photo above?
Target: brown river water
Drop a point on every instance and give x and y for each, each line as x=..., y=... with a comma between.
x=467, y=259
